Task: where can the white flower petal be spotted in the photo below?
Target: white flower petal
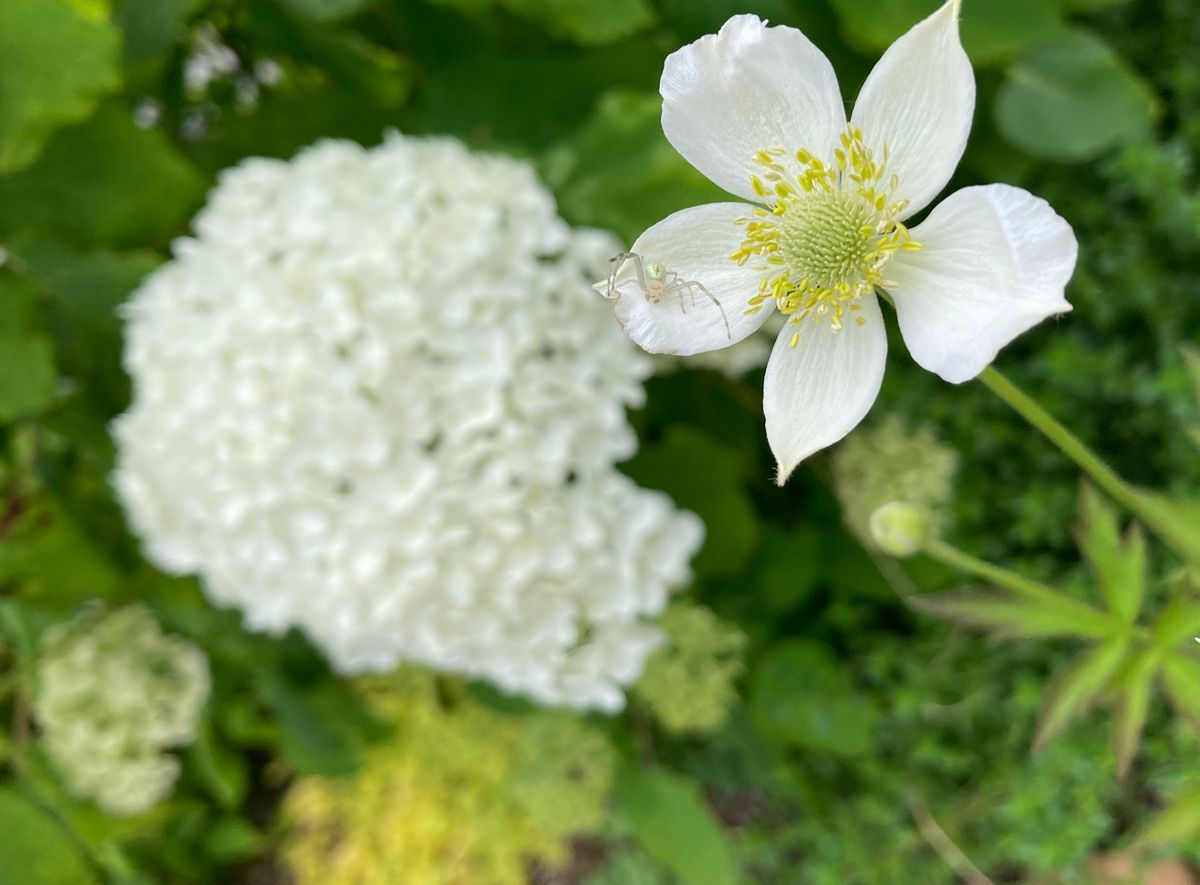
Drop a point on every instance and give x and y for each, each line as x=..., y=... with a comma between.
x=730, y=95
x=994, y=263
x=919, y=101
x=695, y=244
x=817, y=392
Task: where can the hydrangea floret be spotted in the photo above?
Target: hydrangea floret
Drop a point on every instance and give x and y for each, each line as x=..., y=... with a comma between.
x=758, y=110
x=402, y=441
x=114, y=696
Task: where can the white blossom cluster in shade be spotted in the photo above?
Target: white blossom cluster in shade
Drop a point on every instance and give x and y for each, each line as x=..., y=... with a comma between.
x=377, y=398
x=114, y=695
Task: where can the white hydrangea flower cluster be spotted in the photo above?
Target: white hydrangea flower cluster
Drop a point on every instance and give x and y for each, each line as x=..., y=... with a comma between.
x=376, y=398
x=114, y=694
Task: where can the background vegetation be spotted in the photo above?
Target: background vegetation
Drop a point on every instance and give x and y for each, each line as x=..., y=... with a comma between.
x=808, y=725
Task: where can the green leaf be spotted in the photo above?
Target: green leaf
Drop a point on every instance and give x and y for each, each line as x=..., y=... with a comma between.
x=326, y=10
x=673, y=825
x=152, y=28
x=220, y=769
x=1074, y=690
x=1073, y=98
x=232, y=839
x=992, y=30
x=63, y=563
x=1120, y=567
x=799, y=693
x=1012, y=616
x=324, y=728
x=525, y=100
x=1177, y=823
x=34, y=849
x=674, y=465
x=1178, y=621
x=1175, y=521
x=587, y=22
x=27, y=375
x=55, y=62
x=1181, y=679
x=1133, y=703
x=619, y=172
x=103, y=183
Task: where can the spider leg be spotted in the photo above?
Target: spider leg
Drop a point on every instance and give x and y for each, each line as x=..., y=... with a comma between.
x=692, y=287
x=616, y=265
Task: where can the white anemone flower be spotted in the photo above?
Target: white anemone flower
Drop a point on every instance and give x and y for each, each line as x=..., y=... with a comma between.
x=757, y=109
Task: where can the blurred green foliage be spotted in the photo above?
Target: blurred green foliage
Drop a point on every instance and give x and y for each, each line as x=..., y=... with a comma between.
x=864, y=729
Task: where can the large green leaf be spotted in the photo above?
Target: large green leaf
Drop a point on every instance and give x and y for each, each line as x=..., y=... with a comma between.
x=34, y=849
x=1073, y=691
x=55, y=61
x=799, y=693
x=1073, y=98
x=103, y=182
x=670, y=820
x=588, y=22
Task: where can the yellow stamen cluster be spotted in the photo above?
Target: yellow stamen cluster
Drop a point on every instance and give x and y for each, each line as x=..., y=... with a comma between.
x=828, y=232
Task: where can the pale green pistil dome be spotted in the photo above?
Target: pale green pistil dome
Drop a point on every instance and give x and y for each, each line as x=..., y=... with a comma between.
x=828, y=237
x=829, y=231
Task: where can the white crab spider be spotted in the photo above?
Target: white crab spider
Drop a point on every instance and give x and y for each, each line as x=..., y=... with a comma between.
x=657, y=283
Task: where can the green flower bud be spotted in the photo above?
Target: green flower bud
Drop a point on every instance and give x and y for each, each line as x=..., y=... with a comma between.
x=899, y=529
x=889, y=461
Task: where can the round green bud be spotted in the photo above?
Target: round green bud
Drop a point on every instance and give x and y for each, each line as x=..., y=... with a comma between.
x=899, y=529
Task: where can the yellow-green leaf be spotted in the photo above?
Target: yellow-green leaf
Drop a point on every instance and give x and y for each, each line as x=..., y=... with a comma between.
x=1178, y=821
x=1181, y=679
x=55, y=62
x=1077, y=687
x=1133, y=703
x=1119, y=565
x=1009, y=615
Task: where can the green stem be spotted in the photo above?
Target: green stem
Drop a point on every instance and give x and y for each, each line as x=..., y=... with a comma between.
x=1066, y=441
x=955, y=558
x=1174, y=522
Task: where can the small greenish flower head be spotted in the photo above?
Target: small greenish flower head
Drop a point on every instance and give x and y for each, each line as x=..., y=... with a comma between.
x=818, y=226
x=114, y=695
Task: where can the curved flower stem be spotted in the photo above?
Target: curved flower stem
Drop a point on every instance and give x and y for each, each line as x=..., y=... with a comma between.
x=1067, y=442
x=955, y=558
x=1156, y=512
